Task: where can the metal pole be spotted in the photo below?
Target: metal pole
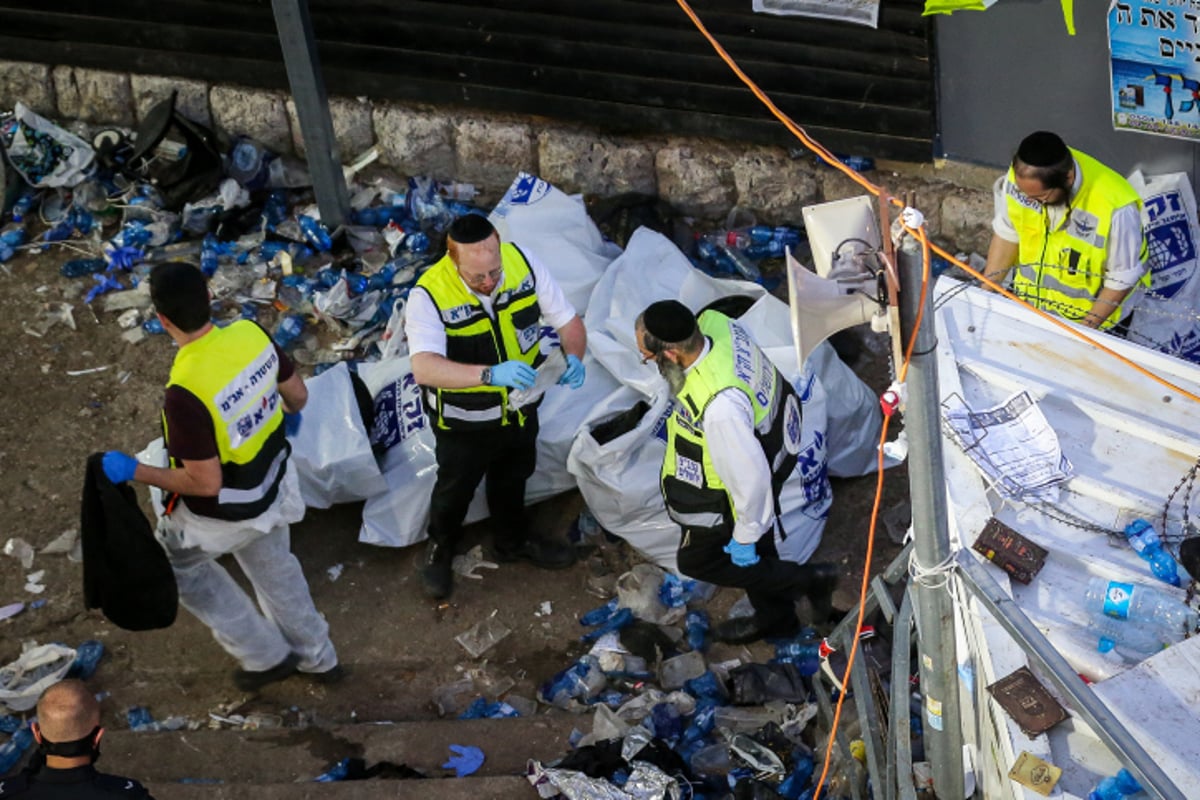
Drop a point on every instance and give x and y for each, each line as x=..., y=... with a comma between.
x=1082, y=699
x=312, y=107
x=931, y=534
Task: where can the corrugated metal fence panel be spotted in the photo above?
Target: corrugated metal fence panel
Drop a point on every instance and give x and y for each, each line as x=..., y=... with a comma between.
x=626, y=66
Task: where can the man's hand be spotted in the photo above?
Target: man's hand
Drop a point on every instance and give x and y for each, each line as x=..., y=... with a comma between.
x=742, y=555
x=513, y=374
x=575, y=373
x=119, y=467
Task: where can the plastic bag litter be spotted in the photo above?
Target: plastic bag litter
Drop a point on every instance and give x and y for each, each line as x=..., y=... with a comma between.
x=645, y=782
x=755, y=684
x=332, y=453
x=44, y=154
x=637, y=590
x=38, y=668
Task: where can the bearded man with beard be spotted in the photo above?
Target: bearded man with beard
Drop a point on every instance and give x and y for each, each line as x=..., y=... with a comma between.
x=732, y=441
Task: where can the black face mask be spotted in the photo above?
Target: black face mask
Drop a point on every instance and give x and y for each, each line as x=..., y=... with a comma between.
x=86, y=746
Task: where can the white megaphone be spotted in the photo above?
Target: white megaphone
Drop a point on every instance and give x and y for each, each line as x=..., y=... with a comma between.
x=838, y=296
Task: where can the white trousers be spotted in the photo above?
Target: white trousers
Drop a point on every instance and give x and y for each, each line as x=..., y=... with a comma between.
x=288, y=621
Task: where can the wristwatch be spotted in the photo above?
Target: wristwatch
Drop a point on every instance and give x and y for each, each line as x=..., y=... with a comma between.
x=485, y=377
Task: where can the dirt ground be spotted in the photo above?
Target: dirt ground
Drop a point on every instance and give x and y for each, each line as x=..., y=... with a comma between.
x=397, y=646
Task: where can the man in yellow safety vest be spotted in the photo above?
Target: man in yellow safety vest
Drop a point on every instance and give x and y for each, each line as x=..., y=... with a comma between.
x=1072, y=228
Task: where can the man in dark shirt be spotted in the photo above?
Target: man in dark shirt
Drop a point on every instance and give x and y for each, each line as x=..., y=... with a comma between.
x=231, y=400
x=68, y=735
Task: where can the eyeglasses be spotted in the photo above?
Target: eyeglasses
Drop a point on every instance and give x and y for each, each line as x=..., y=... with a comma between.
x=482, y=280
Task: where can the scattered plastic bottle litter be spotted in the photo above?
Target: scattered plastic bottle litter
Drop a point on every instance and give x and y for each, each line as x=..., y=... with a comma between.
x=1142, y=605
x=1145, y=541
x=133, y=234
x=12, y=750
x=338, y=772
x=87, y=658
x=152, y=326
x=289, y=329
x=210, y=257
x=1116, y=787
x=696, y=625
x=24, y=204
x=858, y=163
x=804, y=651
x=315, y=233
x=600, y=615
x=83, y=266
x=1127, y=638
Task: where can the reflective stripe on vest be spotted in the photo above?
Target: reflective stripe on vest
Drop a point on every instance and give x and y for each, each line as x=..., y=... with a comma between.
x=234, y=372
x=695, y=495
x=1063, y=270
x=474, y=337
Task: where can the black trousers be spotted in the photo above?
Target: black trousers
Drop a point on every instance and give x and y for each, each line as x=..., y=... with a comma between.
x=772, y=585
x=504, y=457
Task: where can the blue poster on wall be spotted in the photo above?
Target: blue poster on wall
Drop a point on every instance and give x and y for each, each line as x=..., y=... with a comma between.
x=1155, y=56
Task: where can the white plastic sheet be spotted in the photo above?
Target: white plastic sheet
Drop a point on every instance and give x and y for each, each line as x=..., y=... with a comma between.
x=29, y=150
x=332, y=453
x=38, y=668
x=1165, y=319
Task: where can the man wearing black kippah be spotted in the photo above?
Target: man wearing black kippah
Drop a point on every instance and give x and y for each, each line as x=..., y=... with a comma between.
x=732, y=440
x=1073, y=229
x=474, y=327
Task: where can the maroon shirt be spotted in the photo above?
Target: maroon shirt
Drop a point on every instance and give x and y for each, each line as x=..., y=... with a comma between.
x=192, y=435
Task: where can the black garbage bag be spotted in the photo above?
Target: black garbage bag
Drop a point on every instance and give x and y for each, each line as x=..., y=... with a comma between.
x=647, y=641
x=755, y=684
x=1189, y=556
x=621, y=424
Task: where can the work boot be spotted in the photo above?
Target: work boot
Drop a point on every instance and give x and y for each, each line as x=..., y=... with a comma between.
x=436, y=575
x=743, y=630
x=328, y=677
x=818, y=587
x=253, y=680
x=537, y=550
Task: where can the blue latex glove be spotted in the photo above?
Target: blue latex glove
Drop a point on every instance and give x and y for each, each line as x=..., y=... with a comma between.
x=467, y=759
x=742, y=555
x=291, y=423
x=119, y=467
x=575, y=373
x=513, y=374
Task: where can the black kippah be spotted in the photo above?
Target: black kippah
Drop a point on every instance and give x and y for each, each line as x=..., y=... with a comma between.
x=669, y=321
x=469, y=229
x=1043, y=149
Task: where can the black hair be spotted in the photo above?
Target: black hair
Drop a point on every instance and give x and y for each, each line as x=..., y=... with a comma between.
x=469, y=229
x=1043, y=156
x=180, y=293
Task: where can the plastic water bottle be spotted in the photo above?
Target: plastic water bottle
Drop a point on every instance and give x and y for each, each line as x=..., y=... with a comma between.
x=1129, y=639
x=24, y=205
x=1116, y=787
x=13, y=235
x=379, y=216
x=600, y=615
x=383, y=278
x=1140, y=604
x=1145, y=542
x=338, y=772
x=315, y=233
x=275, y=208
x=134, y=234
x=153, y=326
x=7, y=251
x=696, y=625
x=83, y=266
x=804, y=651
x=12, y=750
x=289, y=329
x=741, y=263
x=210, y=256
x=87, y=658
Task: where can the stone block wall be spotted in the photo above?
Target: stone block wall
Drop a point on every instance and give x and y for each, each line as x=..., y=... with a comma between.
x=701, y=178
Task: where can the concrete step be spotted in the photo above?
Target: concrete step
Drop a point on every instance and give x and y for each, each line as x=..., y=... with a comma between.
x=286, y=755
x=493, y=787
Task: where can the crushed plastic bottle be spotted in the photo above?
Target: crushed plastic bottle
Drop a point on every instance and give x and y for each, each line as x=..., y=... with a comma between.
x=315, y=233
x=132, y=234
x=1145, y=541
x=289, y=329
x=25, y=204
x=12, y=750
x=598, y=616
x=582, y=680
x=696, y=625
x=1116, y=787
x=804, y=651
x=210, y=255
x=1140, y=604
x=152, y=326
x=87, y=658
x=338, y=772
